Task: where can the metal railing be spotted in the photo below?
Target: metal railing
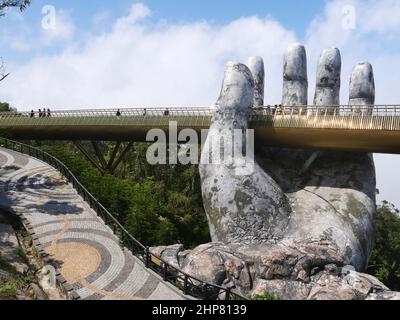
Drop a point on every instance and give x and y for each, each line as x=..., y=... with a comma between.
x=374, y=117
x=124, y=112
x=188, y=284
x=377, y=117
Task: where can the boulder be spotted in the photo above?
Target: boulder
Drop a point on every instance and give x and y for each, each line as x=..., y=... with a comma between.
x=9, y=249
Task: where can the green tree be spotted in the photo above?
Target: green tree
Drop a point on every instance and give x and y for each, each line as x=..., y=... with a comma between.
x=4, y=107
x=5, y=4
x=158, y=205
x=385, y=260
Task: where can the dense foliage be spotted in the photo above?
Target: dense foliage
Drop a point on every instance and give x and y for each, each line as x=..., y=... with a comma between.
x=21, y=4
x=385, y=260
x=4, y=107
x=157, y=204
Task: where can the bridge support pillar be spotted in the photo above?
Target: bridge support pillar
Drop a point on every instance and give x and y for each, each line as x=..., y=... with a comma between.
x=99, y=161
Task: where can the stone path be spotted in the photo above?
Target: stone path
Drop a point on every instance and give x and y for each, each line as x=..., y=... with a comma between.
x=77, y=242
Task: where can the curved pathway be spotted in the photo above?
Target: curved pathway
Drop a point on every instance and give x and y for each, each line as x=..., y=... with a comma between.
x=69, y=233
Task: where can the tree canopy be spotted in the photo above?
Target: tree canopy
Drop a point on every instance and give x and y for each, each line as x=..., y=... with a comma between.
x=158, y=205
x=385, y=260
x=5, y=4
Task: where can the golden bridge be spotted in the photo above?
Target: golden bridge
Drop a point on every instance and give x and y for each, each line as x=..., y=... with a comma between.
x=345, y=128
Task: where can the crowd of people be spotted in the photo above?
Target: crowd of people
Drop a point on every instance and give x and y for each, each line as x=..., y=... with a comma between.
x=41, y=114
x=46, y=113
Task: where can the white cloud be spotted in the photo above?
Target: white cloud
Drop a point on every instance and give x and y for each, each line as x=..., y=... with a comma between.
x=138, y=12
x=145, y=63
x=139, y=63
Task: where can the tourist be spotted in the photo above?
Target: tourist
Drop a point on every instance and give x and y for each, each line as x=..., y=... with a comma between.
x=32, y=114
x=118, y=113
x=166, y=112
x=48, y=113
x=40, y=113
x=144, y=112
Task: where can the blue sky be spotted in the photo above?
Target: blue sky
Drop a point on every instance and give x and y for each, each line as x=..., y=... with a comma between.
x=125, y=53
x=294, y=15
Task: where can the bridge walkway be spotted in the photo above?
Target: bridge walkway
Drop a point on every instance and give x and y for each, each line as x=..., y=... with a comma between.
x=73, y=238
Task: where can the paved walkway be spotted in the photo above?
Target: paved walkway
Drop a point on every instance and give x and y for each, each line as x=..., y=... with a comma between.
x=84, y=250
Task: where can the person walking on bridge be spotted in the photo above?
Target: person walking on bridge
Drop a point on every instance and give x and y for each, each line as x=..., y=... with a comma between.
x=32, y=114
x=40, y=113
x=48, y=113
x=118, y=113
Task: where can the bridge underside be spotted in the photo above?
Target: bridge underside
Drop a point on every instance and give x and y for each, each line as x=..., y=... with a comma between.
x=353, y=140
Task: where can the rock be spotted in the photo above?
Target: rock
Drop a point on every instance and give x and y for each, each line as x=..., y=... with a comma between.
x=169, y=254
x=206, y=264
x=9, y=249
x=38, y=293
x=22, y=297
x=289, y=270
x=386, y=295
x=329, y=287
x=282, y=289
x=364, y=284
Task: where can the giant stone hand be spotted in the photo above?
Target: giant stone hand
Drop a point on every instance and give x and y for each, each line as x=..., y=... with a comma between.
x=298, y=222
x=292, y=195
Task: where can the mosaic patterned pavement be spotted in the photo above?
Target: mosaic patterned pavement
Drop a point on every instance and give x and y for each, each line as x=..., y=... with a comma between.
x=77, y=242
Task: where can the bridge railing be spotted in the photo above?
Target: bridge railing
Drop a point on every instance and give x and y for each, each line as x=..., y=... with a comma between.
x=383, y=117
x=188, y=284
x=124, y=112
x=336, y=110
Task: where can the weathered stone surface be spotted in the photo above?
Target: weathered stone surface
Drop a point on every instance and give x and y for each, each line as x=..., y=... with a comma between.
x=328, y=79
x=37, y=292
x=329, y=287
x=385, y=295
x=243, y=205
x=362, y=87
x=294, y=222
x=256, y=66
x=295, y=79
x=325, y=196
x=288, y=270
x=291, y=290
x=169, y=254
x=9, y=247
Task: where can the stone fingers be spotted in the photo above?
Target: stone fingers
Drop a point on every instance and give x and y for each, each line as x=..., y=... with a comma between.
x=295, y=80
x=327, y=92
x=362, y=88
x=256, y=66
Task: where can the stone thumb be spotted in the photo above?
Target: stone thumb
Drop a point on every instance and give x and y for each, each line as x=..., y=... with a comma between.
x=236, y=98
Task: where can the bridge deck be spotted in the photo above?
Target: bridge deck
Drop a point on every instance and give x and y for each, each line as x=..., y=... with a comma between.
x=346, y=128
